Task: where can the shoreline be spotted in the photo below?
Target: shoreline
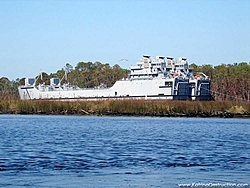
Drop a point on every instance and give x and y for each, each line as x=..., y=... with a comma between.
x=132, y=107
x=111, y=114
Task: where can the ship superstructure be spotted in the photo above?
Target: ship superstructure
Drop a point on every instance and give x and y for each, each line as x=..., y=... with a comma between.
x=150, y=78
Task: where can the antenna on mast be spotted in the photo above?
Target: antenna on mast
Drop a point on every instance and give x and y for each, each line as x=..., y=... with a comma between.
x=65, y=73
x=41, y=74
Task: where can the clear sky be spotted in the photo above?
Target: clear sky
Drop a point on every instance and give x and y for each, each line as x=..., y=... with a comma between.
x=47, y=34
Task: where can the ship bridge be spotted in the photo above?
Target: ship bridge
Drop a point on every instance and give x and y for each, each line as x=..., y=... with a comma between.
x=148, y=68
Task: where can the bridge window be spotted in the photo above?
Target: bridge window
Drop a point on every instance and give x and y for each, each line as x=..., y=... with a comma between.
x=168, y=84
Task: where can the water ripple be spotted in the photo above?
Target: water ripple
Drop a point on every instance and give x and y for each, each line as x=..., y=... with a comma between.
x=127, y=149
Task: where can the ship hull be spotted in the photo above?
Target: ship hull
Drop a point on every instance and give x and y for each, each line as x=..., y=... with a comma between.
x=168, y=89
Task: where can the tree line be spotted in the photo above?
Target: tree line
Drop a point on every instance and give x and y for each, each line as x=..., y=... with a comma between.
x=230, y=82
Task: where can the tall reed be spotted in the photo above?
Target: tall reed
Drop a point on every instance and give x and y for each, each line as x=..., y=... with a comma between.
x=125, y=107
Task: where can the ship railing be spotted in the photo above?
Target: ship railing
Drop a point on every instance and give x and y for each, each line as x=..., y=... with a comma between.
x=142, y=78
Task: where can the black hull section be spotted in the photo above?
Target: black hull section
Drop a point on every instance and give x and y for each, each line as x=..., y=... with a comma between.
x=183, y=91
x=180, y=97
x=204, y=98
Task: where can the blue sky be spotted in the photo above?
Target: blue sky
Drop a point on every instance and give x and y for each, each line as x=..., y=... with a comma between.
x=47, y=34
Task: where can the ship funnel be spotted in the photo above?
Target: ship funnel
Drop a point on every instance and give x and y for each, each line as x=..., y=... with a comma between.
x=146, y=61
x=146, y=56
x=182, y=64
x=170, y=62
x=160, y=57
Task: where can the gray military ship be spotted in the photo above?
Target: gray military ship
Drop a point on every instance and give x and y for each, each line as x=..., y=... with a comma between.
x=151, y=78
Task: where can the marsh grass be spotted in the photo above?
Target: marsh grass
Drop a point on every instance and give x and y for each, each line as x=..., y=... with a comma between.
x=125, y=107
